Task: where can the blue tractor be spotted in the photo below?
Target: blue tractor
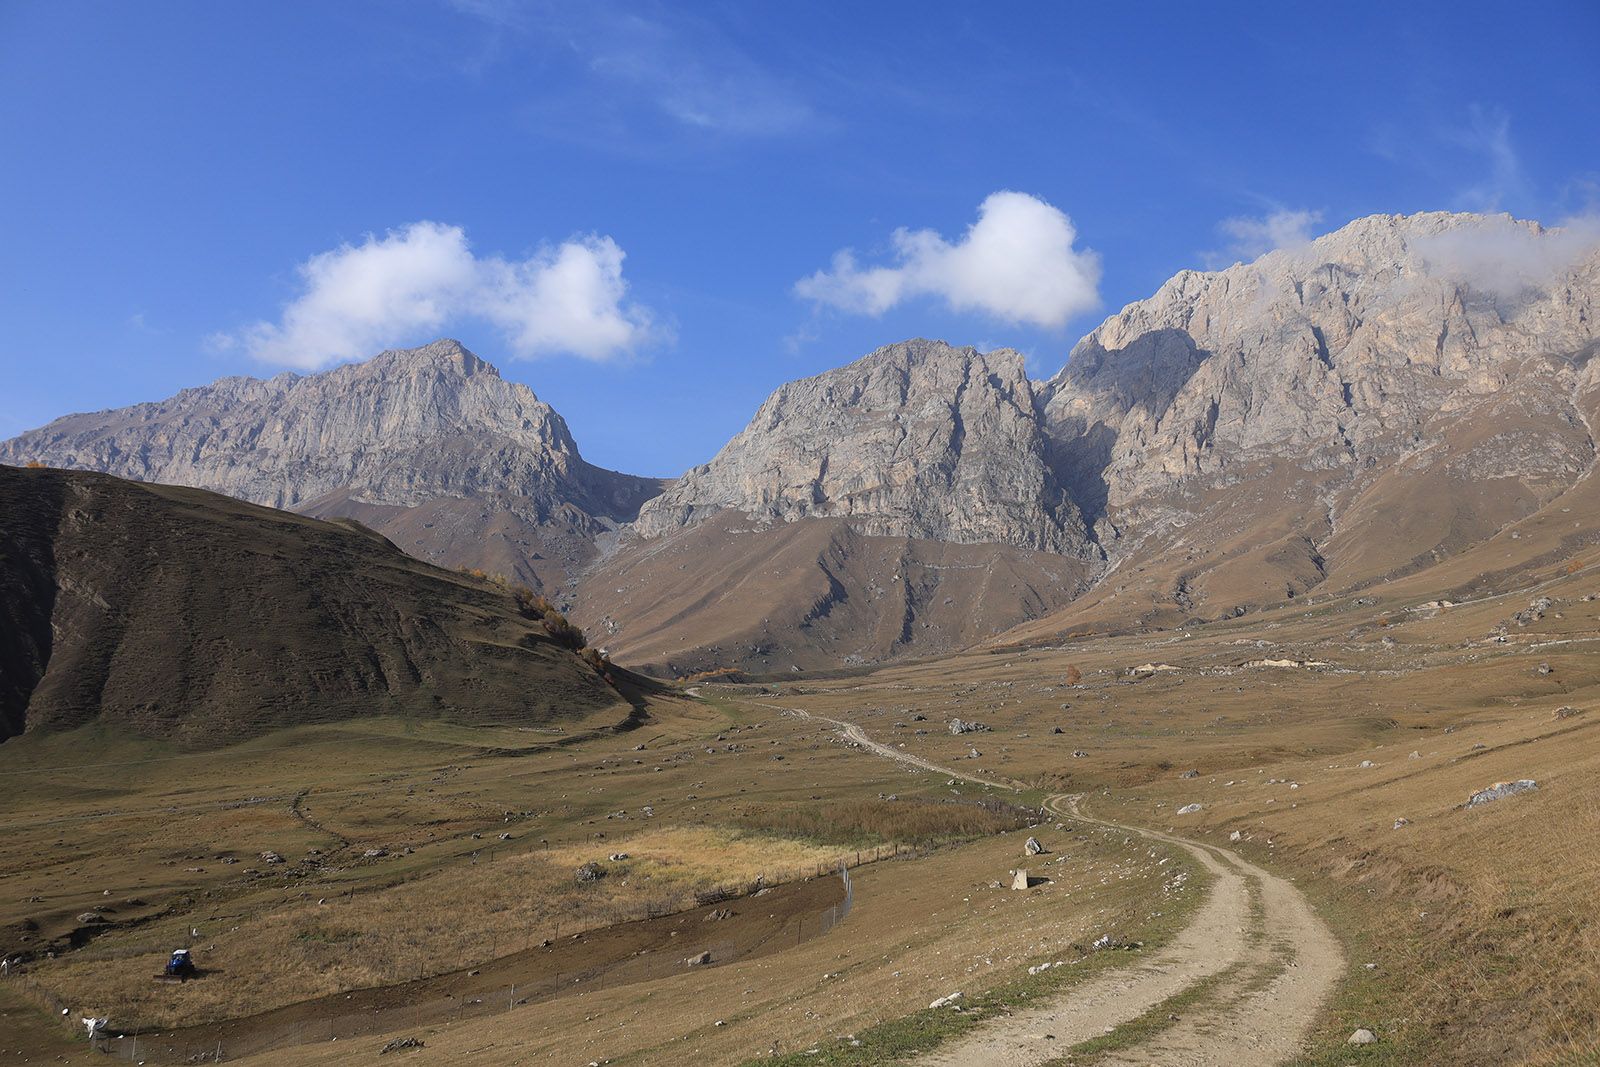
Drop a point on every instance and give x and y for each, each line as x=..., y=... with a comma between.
x=180, y=966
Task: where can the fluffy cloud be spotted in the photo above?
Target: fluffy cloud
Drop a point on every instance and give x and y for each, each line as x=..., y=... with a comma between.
x=357, y=299
x=1504, y=257
x=1254, y=237
x=1016, y=263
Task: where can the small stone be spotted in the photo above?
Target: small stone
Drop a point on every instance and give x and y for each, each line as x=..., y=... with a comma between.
x=1363, y=1036
x=1189, y=809
x=400, y=1044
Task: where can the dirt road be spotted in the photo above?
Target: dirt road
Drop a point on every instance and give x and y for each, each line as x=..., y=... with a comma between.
x=1254, y=965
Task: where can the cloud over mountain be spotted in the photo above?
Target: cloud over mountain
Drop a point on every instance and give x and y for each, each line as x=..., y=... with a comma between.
x=569, y=298
x=1017, y=263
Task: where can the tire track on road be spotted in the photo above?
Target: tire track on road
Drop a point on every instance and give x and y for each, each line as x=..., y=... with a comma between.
x=1277, y=960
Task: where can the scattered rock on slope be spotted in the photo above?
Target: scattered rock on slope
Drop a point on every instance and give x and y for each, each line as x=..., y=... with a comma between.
x=1501, y=790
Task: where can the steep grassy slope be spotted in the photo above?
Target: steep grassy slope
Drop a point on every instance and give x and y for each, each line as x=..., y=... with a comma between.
x=183, y=615
x=812, y=594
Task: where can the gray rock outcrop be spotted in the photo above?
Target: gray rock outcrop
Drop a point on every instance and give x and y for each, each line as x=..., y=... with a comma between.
x=918, y=439
x=1501, y=790
x=1337, y=354
x=408, y=429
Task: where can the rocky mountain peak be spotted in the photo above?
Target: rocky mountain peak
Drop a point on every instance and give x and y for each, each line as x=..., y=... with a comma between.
x=408, y=428
x=446, y=356
x=917, y=439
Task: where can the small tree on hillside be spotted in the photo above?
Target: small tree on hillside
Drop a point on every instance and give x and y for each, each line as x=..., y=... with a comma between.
x=563, y=632
x=1074, y=675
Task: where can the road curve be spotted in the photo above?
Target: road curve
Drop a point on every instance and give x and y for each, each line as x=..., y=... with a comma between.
x=1268, y=962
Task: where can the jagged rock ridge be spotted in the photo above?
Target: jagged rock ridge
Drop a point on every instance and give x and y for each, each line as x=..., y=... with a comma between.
x=410, y=441
x=918, y=439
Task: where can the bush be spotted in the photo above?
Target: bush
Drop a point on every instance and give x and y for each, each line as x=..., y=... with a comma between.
x=719, y=674
x=1074, y=675
x=563, y=632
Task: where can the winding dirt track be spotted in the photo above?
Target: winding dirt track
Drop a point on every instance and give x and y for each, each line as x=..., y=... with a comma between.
x=1263, y=961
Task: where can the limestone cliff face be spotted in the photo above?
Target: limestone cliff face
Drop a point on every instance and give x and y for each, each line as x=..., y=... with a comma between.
x=405, y=427
x=1353, y=352
x=918, y=439
x=429, y=445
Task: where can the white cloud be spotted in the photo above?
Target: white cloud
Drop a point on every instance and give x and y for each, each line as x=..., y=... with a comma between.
x=1504, y=257
x=358, y=299
x=625, y=66
x=1488, y=134
x=1016, y=263
x=1254, y=237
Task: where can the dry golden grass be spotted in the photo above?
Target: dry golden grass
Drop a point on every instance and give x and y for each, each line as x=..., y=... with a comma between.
x=450, y=919
x=882, y=822
x=919, y=929
x=1502, y=967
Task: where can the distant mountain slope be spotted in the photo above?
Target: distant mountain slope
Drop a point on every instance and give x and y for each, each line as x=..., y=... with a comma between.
x=1332, y=415
x=918, y=439
x=771, y=597
x=187, y=616
x=901, y=505
x=1325, y=418
x=429, y=445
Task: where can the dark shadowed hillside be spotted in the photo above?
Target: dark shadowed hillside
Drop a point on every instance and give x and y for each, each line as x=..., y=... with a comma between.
x=187, y=616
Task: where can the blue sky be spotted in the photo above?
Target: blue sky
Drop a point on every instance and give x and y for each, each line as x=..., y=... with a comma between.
x=637, y=209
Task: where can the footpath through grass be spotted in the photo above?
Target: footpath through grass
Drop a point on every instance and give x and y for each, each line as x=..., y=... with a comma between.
x=927, y=1029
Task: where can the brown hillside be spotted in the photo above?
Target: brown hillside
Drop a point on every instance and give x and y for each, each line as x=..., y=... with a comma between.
x=812, y=594
x=192, y=617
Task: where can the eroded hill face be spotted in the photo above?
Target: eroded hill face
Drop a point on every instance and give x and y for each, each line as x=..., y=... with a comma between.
x=429, y=446
x=183, y=615
x=771, y=597
x=1334, y=415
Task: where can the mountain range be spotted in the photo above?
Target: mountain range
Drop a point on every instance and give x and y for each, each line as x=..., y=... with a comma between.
x=1331, y=416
